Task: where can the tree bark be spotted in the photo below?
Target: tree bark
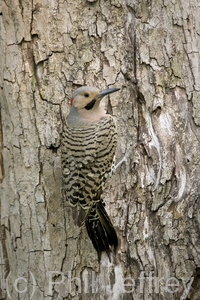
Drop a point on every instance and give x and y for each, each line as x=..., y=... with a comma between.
x=150, y=49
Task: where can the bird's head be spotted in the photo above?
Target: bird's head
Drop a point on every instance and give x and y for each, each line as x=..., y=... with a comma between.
x=85, y=102
x=88, y=97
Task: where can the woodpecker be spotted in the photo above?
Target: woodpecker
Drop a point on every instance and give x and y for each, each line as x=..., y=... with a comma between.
x=88, y=147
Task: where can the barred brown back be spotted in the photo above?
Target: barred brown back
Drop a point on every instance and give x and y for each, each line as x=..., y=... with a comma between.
x=87, y=157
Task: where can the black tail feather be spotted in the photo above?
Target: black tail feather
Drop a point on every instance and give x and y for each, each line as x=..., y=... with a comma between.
x=101, y=230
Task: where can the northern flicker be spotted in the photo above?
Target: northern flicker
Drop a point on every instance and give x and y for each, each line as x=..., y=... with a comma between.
x=88, y=148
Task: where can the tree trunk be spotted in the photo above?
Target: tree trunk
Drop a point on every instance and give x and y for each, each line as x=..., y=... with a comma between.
x=150, y=49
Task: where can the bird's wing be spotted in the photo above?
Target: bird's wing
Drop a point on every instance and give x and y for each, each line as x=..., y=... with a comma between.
x=87, y=158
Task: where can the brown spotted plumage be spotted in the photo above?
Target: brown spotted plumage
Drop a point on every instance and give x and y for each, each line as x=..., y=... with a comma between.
x=88, y=148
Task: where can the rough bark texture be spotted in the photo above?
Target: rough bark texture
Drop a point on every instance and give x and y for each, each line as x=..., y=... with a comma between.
x=150, y=49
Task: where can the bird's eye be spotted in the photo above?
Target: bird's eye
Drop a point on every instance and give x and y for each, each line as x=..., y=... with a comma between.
x=86, y=95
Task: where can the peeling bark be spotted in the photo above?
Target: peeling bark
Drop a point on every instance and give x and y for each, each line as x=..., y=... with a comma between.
x=150, y=50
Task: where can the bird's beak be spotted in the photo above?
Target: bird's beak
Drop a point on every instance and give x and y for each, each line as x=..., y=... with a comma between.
x=106, y=92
